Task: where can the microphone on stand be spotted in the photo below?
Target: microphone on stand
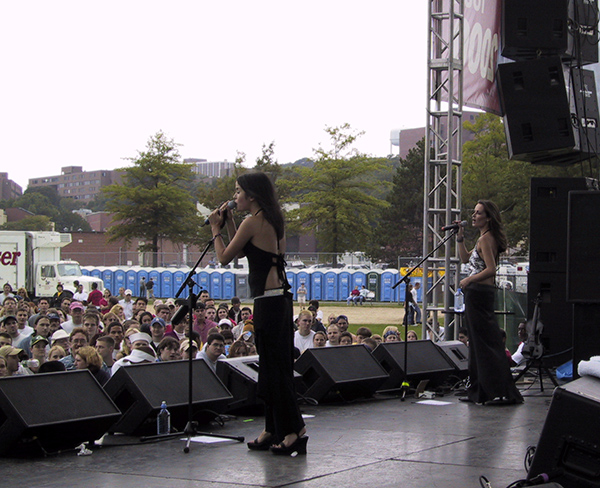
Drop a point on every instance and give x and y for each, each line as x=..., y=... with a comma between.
x=454, y=226
x=231, y=205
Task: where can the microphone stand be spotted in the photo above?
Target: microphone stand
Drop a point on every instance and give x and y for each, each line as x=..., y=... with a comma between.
x=406, y=279
x=191, y=428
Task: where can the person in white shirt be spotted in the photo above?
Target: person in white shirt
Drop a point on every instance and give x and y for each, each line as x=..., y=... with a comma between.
x=80, y=295
x=303, y=337
x=415, y=303
x=127, y=304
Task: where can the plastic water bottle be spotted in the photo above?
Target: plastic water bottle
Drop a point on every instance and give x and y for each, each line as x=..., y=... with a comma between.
x=459, y=301
x=163, y=420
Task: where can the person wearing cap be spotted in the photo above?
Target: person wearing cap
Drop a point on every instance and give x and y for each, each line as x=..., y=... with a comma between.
x=60, y=338
x=225, y=324
x=127, y=304
x=76, y=309
x=41, y=329
x=185, y=350
x=5, y=339
x=78, y=338
x=139, y=339
x=201, y=324
x=142, y=354
x=39, y=351
x=13, y=366
x=55, y=320
x=157, y=331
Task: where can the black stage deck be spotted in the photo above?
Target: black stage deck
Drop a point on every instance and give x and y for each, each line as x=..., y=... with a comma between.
x=380, y=442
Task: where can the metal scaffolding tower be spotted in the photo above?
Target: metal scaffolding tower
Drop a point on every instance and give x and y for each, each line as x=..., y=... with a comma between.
x=443, y=160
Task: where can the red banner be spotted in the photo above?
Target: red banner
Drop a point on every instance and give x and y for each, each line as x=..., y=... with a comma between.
x=481, y=37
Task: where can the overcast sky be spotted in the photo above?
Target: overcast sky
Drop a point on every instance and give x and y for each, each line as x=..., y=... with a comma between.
x=87, y=83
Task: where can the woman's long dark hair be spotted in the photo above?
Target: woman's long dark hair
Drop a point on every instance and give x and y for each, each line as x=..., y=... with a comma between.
x=258, y=186
x=495, y=225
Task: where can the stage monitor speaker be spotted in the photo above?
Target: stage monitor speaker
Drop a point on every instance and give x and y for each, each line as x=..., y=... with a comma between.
x=545, y=122
x=345, y=372
x=425, y=362
x=457, y=353
x=586, y=333
x=583, y=250
x=548, y=222
x=48, y=413
x=555, y=313
x=568, y=448
x=534, y=28
x=240, y=377
x=139, y=389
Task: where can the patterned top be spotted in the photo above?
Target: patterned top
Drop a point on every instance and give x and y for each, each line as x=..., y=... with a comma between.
x=476, y=263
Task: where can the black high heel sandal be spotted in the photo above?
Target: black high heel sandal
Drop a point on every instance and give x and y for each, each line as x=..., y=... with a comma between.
x=260, y=446
x=296, y=447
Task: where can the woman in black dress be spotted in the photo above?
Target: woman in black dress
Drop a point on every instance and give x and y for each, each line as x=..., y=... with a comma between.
x=261, y=238
x=489, y=370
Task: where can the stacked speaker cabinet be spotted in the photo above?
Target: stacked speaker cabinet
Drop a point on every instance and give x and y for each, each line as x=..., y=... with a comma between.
x=549, y=102
x=548, y=261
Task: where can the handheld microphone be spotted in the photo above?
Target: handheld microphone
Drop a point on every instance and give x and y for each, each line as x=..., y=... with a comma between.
x=454, y=226
x=230, y=204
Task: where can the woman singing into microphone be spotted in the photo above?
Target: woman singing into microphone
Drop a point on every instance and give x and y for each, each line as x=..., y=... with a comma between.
x=489, y=370
x=261, y=238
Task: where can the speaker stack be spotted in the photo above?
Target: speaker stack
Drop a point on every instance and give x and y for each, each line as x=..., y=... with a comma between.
x=549, y=102
x=48, y=413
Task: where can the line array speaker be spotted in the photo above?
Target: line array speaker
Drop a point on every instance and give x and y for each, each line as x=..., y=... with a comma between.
x=47, y=413
x=343, y=371
x=139, y=389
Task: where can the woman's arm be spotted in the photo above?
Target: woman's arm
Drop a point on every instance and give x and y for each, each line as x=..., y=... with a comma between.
x=225, y=254
x=461, y=246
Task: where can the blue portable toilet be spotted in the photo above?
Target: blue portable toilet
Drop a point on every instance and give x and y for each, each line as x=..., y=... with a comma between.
x=388, y=279
x=304, y=277
x=154, y=273
x=132, y=280
x=202, y=281
x=178, y=279
x=107, y=279
x=142, y=273
x=120, y=280
x=331, y=285
x=316, y=285
x=228, y=285
x=85, y=271
x=291, y=277
x=344, y=285
x=216, y=284
x=359, y=278
x=166, y=283
x=96, y=273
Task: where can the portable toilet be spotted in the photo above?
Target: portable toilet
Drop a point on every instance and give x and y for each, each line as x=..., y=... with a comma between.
x=344, y=285
x=331, y=285
x=388, y=279
x=96, y=273
x=241, y=285
x=142, y=273
x=132, y=280
x=202, y=281
x=304, y=277
x=120, y=280
x=359, y=278
x=292, y=280
x=374, y=283
x=228, y=285
x=107, y=279
x=86, y=271
x=166, y=283
x=316, y=285
x=154, y=274
x=216, y=284
x=178, y=279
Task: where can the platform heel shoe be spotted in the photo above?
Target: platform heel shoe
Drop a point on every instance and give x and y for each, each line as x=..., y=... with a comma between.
x=260, y=446
x=295, y=448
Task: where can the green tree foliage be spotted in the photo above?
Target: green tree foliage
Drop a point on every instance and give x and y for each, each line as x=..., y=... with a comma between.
x=333, y=195
x=152, y=202
x=400, y=228
x=488, y=174
x=33, y=223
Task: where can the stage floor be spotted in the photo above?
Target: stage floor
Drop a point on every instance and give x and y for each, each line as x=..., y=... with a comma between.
x=380, y=442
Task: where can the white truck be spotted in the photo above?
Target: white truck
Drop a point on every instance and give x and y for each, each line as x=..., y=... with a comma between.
x=32, y=260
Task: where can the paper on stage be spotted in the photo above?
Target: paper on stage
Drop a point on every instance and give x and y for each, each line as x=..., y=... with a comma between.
x=434, y=402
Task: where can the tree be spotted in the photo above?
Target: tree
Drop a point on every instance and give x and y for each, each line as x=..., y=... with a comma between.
x=334, y=195
x=400, y=228
x=33, y=223
x=152, y=202
x=489, y=174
